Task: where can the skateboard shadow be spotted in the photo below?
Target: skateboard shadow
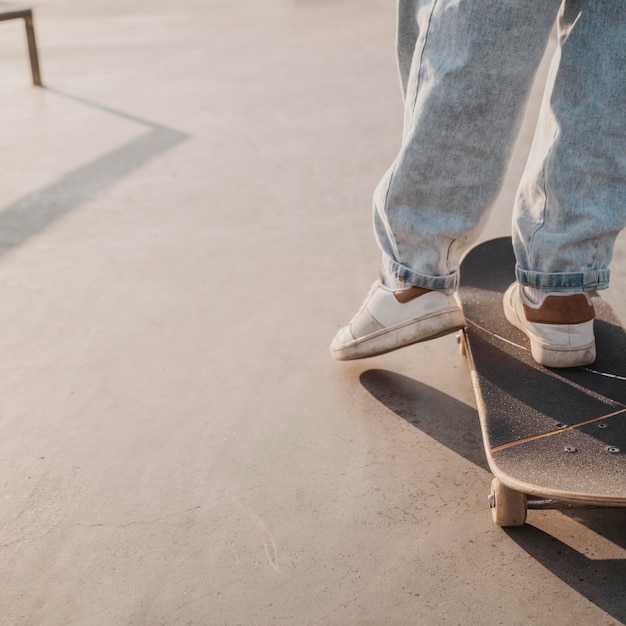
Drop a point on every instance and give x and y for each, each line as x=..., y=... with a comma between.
x=456, y=426
x=445, y=419
x=601, y=581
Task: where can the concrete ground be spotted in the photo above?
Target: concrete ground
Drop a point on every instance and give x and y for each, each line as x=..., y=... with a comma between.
x=185, y=223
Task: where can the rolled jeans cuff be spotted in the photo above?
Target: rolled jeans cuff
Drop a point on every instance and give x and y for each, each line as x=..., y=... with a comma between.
x=587, y=280
x=447, y=284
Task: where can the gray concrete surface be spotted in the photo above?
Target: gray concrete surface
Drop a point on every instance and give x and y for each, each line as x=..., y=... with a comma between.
x=185, y=222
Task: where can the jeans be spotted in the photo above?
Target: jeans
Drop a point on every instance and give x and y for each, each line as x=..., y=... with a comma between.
x=466, y=69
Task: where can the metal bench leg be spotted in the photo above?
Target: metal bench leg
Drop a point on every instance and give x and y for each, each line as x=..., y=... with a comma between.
x=32, y=49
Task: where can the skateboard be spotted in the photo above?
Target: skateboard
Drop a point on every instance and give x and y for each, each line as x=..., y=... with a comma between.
x=554, y=438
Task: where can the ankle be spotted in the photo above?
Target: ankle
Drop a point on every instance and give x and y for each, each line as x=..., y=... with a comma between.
x=393, y=282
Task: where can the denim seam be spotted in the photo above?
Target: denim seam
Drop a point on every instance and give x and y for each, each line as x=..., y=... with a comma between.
x=419, y=74
x=531, y=239
x=596, y=245
x=448, y=255
x=544, y=184
x=388, y=228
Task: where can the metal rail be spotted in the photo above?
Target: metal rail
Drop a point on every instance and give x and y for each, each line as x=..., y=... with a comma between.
x=11, y=12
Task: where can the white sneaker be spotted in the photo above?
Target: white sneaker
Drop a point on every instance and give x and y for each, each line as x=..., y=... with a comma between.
x=559, y=327
x=390, y=319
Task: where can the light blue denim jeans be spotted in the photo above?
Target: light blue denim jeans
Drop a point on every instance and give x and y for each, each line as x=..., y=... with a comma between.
x=466, y=68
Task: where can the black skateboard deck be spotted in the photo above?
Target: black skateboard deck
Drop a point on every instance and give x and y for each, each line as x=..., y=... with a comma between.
x=551, y=436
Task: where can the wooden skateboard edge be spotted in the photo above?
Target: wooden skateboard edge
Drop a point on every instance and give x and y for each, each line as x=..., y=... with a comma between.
x=529, y=489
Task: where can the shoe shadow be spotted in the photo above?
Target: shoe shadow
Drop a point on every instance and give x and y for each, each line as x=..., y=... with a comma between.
x=456, y=426
x=445, y=419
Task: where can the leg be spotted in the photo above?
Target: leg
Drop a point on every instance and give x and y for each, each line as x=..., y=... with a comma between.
x=572, y=201
x=473, y=62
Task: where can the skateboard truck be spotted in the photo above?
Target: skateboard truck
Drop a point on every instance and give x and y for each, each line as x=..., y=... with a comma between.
x=543, y=504
x=509, y=507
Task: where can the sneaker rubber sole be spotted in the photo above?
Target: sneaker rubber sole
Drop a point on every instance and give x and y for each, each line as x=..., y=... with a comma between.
x=406, y=334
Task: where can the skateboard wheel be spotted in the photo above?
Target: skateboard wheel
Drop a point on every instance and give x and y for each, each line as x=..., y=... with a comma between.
x=508, y=507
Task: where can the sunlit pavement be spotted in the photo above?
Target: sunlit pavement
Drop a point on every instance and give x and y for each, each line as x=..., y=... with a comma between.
x=185, y=224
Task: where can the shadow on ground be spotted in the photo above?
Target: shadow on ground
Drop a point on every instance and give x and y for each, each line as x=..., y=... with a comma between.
x=445, y=419
x=602, y=581
x=36, y=211
x=456, y=426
